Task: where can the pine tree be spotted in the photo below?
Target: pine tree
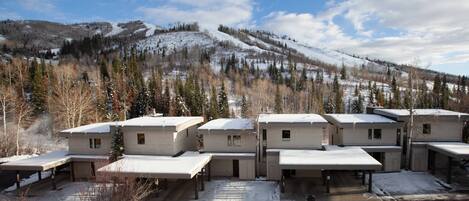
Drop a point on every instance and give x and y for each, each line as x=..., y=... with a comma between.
x=338, y=99
x=343, y=73
x=223, y=108
x=244, y=107
x=166, y=100
x=140, y=104
x=444, y=93
x=117, y=145
x=156, y=92
x=213, y=108
x=38, y=87
x=395, y=101
x=437, y=91
x=278, y=108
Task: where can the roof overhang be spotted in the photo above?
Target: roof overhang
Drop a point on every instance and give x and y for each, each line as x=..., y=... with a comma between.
x=457, y=150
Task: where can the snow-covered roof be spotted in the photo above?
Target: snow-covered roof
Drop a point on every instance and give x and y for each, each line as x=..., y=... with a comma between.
x=291, y=118
x=453, y=149
x=228, y=124
x=397, y=113
x=161, y=121
x=332, y=158
x=92, y=128
x=184, y=166
x=39, y=163
x=232, y=155
x=341, y=119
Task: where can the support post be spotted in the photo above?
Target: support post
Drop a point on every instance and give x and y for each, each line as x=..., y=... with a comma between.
x=328, y=178
x=196, y=190
x=52, y=176
x=209, y=171
x=39, y=175
x=363, y=177
x=93, y=173
x=202, y=184
x=282, y=182
x=432, y=161
x=448, y=176
x=370, y=181
x=165, y=184
x=72, y=172
x=18, y=180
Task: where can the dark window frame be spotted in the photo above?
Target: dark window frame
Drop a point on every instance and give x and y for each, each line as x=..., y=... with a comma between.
x=139, y=139
x=427, y=129
x=377, y=133
x=286, y=135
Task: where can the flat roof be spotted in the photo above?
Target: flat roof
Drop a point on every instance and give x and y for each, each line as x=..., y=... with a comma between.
x=184, y=166
x=379, y=148
x=38, y=163
x=161, y=121
x=228, y=124
x=291, y=118
x=454, y=149
x=95, y=128
x=340, y=119
x=332, y=158
x=232, y=155
x=396, y=113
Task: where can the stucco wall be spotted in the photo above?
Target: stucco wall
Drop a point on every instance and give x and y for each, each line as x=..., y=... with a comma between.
x=273, y=168
x=392, y=161
x=301, y=136
x=247, y=169
x=441, y=130
x=359, y=136
x=80, y=144
x=220, y=167
x=419, y=158
x=217, y=142
x=157, y=142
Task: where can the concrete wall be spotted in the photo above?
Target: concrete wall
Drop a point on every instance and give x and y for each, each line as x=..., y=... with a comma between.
x=224, y=167
x=419, y=158
x=302, y=136
x=217, y=142
x=221, y=167
x=392, y=161
x=159, y=141
x=359, y=136
x=80, y=144
x=247, y=169
x=84, y=171
x=273, y=168
x=440, y=130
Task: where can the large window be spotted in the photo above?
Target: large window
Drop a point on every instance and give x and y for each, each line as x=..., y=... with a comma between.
x=95, y=143
x=264, y=134
x=377, y=134
x=370, y=134
x=140, y=138
x=427, y=129
x=286, y=135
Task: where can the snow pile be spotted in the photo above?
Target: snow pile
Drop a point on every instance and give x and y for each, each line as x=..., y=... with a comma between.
x=116, y=29
x=175, y=40
x=228, y=124
x=291, y=118
x=407, y=182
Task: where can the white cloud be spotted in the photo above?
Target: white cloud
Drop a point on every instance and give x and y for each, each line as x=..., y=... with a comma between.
x=41, y=6
x=209, y=13
x=434, y=32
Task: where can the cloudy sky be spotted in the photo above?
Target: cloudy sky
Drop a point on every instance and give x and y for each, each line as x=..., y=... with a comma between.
x=431, y=34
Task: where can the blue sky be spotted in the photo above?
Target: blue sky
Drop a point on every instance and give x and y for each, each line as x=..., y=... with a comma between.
x=431, y=35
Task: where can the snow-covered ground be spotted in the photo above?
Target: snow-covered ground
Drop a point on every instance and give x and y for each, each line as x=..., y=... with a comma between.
x=116, y=29
x=151, y=28
x=175, y=40
x=31, y=179
x=407, y=183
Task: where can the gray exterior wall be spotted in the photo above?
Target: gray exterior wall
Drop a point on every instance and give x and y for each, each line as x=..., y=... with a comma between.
x=79, y=144
x=359, y=136
x=217, y=141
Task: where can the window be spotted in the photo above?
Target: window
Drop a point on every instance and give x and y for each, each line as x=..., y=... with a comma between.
x=377, y=134
x=187, y=132
x=370, y=134
x=285, y=135
x=264, y=134
x=229, y=140
x=140, y=138
x=97, y=143
x=427, y=129
x=237, y=140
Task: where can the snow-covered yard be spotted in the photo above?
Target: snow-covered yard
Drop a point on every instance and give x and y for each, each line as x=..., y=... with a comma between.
x=407, y=183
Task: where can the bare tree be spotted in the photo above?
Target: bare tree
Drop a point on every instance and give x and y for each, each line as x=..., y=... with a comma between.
x=23, y=113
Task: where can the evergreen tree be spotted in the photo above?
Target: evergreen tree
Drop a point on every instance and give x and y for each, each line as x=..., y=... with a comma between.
x=117, y=145
x=437, y=91
x=343, y=73
x=166, y=100
x=278, y=108
x=38, y=87
x=213, y=108
x=103, y=71
x=140, y=104
x=244, y=107
x=395, y=101
x=156, y=92
x=223, y=108
x=338, y=99
x=444, y=93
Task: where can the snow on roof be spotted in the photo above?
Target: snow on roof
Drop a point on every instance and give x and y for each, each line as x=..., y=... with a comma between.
x=15, y=158
x=161, y=121
x=39, y=163
x=357, y=118
x=181, y=167
x=454, y=149
x=417, y=112
x=333, y=158
x=228, y=124
x=92, y=128
x=291, y=118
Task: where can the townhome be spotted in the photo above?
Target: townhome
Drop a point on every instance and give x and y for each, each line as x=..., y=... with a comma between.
x=436, y=137
x=375, y=134
x=232, y=144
